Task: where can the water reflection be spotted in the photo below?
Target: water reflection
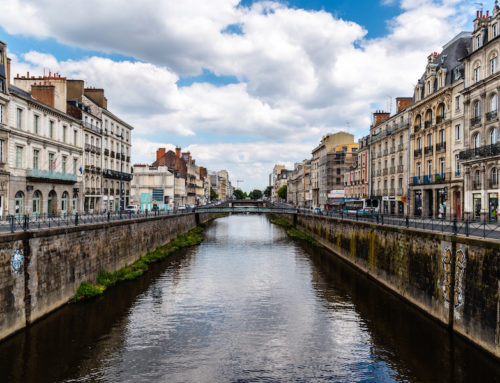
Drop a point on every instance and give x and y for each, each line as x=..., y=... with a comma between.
x=248, y=304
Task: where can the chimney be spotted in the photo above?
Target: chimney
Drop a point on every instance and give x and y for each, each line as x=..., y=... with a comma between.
x=178, y=152
x=44, y=93
x=160, y=153
x=380, y=116
x=8, y=73
x=403, y=102
x=97, y=95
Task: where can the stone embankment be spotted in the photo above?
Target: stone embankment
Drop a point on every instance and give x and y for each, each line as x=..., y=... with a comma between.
x=454, y=279
x=41, y=270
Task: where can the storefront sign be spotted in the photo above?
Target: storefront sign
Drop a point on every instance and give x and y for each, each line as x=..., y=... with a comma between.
x=336, y=194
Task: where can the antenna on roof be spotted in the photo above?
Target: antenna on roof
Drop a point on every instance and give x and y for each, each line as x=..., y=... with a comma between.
x=480, y=4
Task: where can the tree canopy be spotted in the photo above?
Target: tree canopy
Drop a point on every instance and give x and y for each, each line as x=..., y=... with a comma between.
x=255, y=194
x=213, y=195
x=268, y=191
x=282, y=192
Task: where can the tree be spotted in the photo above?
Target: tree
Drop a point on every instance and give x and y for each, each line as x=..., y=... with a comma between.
x=238, y=194
x=282, y=192
x=255, y=194
x=268, y=191
x=213, y=195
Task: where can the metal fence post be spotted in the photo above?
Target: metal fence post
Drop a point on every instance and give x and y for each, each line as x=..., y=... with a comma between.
x=129, y=215
x=466, y=227
x=146, y=212
x=109, y=215
x=382, y=219
x=76, y=219
x=455, y=229
x=26, y=222
x=11, y=223
x=484, y=229
x=407, y=222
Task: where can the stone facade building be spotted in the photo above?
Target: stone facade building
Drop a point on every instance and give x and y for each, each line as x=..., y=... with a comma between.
x=481, y=158
x=153, y=187
x=435, y=190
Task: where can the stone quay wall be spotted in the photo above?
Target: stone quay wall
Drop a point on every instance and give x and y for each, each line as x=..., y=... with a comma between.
x=57, y=260
x=454, y=279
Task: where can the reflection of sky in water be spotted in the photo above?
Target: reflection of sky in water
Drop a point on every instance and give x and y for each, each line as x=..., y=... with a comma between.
x=243, y=306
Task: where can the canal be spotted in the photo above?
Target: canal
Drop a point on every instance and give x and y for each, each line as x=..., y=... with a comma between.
x=247, y=305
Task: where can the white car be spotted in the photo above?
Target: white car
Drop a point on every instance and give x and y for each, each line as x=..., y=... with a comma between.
x=132, y=209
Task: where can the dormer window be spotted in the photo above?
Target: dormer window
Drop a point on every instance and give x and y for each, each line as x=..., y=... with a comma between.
x=495, y=30
x=493, y=65
x=478, y=41
x=428, y=87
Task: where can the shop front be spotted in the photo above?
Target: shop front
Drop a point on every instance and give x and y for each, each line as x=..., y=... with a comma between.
x=476, y=205
x=418, y=203
x=493, y=206
x=442, y=198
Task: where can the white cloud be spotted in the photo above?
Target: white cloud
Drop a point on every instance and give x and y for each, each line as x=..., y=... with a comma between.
x=302, y=73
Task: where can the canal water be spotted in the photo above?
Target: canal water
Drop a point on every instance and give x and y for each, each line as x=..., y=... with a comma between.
x=247, y=305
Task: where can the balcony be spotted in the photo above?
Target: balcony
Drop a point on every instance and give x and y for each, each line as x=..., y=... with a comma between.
x=128, y=159
x=476, y=185
x=440, y=146
x=386, y=151
x=428, y=179
x=428, y=149
x=379, y=154
x=427, y=124
x=399, y=192
x=416, y=128
x=108, y=173
x=417, y=180
x=491, y=116
x=475, y=120
x=92, y=127
x=385, y=192
x=400, y=147
x=105, y=190
x=493, y=183
x=400, y=168
x=392, y=149
x=392, y=170
x=392, y=191
x=481, y=152
x=385, y=171
x=417, y=153
x=440, y=119
x=379, y=172
x=106, y=152
x=440, y=177
x=457, y=173
x=50, y=176
x=112, y=154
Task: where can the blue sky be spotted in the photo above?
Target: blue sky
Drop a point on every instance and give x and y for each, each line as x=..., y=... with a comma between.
x=242, y=87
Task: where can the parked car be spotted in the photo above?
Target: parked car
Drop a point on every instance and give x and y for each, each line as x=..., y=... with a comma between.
x=132, y=209
x=181, y=207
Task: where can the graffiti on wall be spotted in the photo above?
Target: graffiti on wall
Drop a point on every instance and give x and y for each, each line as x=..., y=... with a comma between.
x=17, y=260
x=459, y=273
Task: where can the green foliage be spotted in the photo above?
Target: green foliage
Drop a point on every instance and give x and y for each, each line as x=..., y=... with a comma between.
x=294, y=232
x=106, y=279
x=213, y=195
x=268, y=191
x=87, y=290
x=238, y=194
x=255, y=194
x=282, y=192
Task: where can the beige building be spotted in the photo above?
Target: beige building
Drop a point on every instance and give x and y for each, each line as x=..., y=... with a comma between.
x=480, y=159
x=153, y=187
x=389, y=141
x=434, y=190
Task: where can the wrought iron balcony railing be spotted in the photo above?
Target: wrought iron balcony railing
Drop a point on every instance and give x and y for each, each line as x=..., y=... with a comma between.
x=493, y=115
x=475, y=120
x=482, y=151
x=428, y=149
x=440, y=146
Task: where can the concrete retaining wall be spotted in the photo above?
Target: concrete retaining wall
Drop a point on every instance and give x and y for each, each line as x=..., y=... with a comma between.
x=57, y=260
x=456, y=280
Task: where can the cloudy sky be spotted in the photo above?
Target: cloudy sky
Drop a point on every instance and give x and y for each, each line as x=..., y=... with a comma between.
x=241, y=84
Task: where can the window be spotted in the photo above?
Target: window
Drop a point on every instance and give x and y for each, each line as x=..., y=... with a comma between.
x=419, y=143
x=428, y=87
x=493, y=103
x=429, y=140
x=75, y=137
x=2, y=143
x=52, y=163
x=477, y=109
x=37, y=196
x=36, y=154
x=51, y=129
x=457, y=103
x=63, y=163
x=65, y=129
x=19, y=121
x=400, y=160
x=441, y=136
x=495, y=30
x=494, y=177
x=1, y=113
x=75, y=165
x=493, y=65
x=457, y=165
x=478, y=41
x=418, y=169
x=493, y=136
x=477, y=141
x=429, y=167
x=477, y=74
x=19, y=156
x=441, y=165
x=36, y=118
x=457, y=132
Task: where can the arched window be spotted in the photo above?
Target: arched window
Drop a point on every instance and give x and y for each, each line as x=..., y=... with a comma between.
x=64, y=202
x=494, y=177
x=477, y=141
x=477, y=109
x=37, y=199
x=441, y=113
x=494, y=103
x=477, y=179
x=428, y=118
x=19, y=203
x=52, y=202
x=74, y=202
x=493, y=136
